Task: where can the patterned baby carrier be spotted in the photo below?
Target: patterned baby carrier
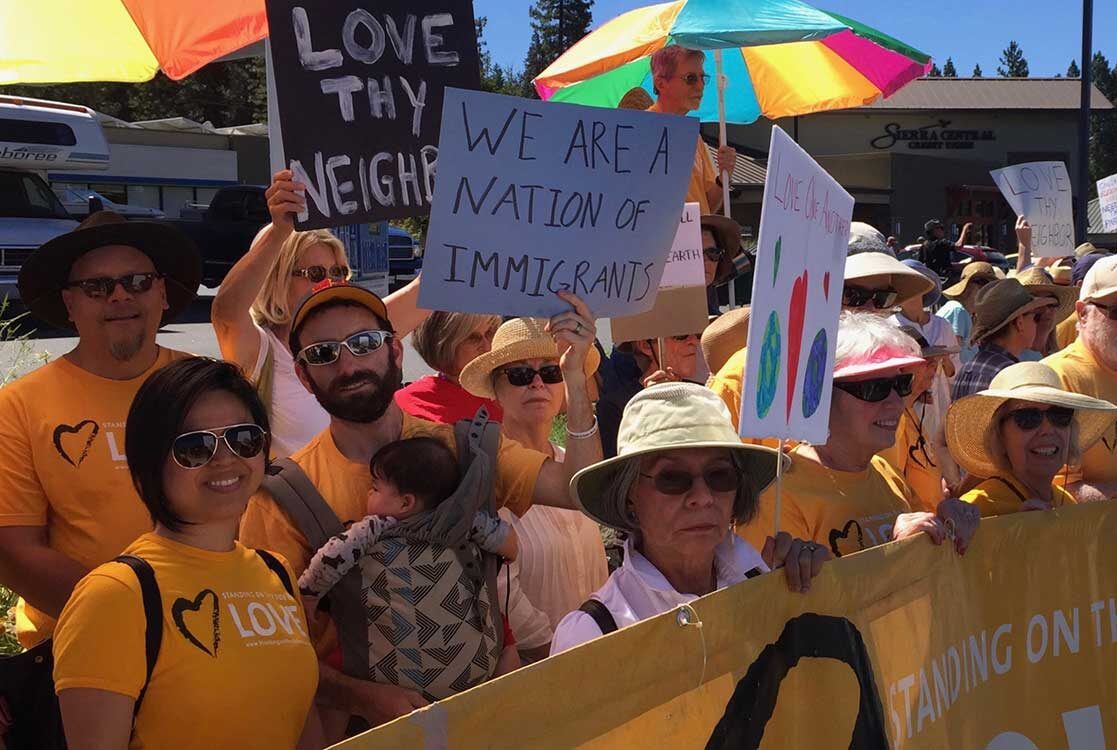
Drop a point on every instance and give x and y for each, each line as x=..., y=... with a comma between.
x=420, y=610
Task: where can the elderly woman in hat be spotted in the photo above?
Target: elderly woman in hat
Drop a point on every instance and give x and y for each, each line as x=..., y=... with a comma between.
x=561, y=558
x=680, y=482
x=842, y=494
x=1019, y=433
x=721, y=246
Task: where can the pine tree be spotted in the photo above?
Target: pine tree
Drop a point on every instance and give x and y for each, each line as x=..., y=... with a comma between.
x=556, y=26
x=1103, y=125
x=495, y=78
x=935, y=72
x=1013, y=64
x=977, y=71
x=1073, y=71
x=948, y=70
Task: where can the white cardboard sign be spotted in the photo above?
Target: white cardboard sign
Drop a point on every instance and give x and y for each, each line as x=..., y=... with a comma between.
x=1040, y=191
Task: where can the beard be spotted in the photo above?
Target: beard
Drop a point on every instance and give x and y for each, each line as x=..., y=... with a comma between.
x=361, y=406
x=124, y=349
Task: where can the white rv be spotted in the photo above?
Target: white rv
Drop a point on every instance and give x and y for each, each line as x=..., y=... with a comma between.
x=36, y=136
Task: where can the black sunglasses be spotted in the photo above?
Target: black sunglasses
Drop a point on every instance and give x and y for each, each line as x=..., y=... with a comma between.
x=713, y=253
x=359, y=345
x=1031, y=418
x=193, y=450
x=522, y=375
x=855, y=296
x=1109, y=310
x=679, y=482
x=103, y=286
x=320, y=273
x=877, y=389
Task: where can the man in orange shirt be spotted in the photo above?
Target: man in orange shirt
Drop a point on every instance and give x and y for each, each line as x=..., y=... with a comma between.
x=67, y=503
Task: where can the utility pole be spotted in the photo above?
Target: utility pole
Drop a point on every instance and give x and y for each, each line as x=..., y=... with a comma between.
x=1081, y=220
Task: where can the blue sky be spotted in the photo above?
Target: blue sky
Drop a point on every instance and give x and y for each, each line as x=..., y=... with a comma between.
x=970, y=31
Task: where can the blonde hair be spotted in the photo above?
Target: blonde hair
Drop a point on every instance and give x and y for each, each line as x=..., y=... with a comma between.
x=270, y=309
x=437, y=337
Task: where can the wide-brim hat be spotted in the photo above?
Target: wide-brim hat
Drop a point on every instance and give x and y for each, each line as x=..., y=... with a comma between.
x=725, y=336
x=1000, y=303
x=727, y=232
x=330, y=290
x=931, y=297
x=975, y=270
x=636, y=98
x=667, y=417
x=171, y=252
x=969, y=419
x=1040, y=284
x=908, y=283
x=1086, y=248
x=515, y=340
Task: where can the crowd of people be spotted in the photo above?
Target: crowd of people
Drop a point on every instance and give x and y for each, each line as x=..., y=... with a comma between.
x=290, y=545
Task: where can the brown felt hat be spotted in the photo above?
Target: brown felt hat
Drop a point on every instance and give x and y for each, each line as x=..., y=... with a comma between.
x=727, y=233
x=1000, y=303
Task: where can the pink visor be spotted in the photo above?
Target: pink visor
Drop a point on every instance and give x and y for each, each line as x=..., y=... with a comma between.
x=880, y=360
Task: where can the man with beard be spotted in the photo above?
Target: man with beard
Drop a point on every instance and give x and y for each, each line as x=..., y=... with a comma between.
x=347, y=355
x=67, y=503
x=1089, y=366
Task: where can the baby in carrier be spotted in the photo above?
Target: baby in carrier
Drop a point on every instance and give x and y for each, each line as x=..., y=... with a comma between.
x=429, y=616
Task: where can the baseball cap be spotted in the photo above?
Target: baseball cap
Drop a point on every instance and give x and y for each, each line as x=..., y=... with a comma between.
x=1100, y=281
x=330, y=290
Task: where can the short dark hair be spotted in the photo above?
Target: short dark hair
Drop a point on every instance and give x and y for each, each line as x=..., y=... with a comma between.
x=158, y=412
x=421, y=466
x=293, y=340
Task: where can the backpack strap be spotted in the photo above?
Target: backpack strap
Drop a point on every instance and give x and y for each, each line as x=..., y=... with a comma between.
x=600, y=614
x=1008, y=484
x=277, y=567
x=153, y=617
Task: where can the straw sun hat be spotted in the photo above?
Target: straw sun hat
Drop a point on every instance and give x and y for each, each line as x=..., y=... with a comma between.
x=724, y=337
x=515, y=340
x=666, y=417
x=970, y=426
x=1041, y=284
x=976, y=270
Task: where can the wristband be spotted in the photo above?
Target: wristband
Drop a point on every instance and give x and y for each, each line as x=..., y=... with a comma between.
x=583, y=435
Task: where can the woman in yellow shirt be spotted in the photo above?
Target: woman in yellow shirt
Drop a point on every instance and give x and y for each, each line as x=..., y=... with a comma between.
x=1019, y=433
x=231, y=664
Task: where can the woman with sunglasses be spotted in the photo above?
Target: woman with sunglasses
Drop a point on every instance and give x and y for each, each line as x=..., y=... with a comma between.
x=680, y=483
x=252, y=311
x=1019, y=433
x=721, y=247
x=562, y=558
x=841, y=494
x=232, y=666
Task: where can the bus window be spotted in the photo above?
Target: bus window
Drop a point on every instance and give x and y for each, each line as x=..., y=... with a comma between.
x=37, y=132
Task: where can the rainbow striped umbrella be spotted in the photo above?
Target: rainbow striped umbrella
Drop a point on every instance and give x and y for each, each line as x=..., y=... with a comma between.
x=781, y=57
x=57, y=41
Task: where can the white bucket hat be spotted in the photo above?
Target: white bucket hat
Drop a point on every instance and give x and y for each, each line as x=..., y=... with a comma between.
x=667, y=417
x=907, y=282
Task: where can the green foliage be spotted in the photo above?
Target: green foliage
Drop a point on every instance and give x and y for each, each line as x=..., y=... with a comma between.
x=977, y=71
x=1072, y=70
x=1013, y=64
x=556, y=26
x=935, y=71
x=8, y=642
x=1103, y=125
x=948, y=70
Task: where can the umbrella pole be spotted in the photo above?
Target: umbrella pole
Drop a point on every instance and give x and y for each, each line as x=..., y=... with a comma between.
x=723, y=82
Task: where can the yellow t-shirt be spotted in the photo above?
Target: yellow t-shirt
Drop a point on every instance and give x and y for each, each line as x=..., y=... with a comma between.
x=1066, y=332
x=916, y=463
x=344, y=485
x=844, y=510
x=62, y=466
x=235, y=668
x=703, y=177
x=727, y=384
x=1081, y=373
x=1000, y=496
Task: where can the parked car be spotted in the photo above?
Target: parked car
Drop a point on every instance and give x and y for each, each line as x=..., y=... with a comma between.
x=76, y=201
x=405, y=259
x=224, y=231
x=960, y=256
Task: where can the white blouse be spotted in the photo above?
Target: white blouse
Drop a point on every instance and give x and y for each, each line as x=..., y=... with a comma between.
x=295, y=416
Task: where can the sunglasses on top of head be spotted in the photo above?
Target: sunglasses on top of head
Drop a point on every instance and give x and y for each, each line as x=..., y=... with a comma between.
x=1030, y=418
x=679, y=482
x=877, y=389
x=316, y=274
x=193, y=450
x=103, y=286
x=855, y=296
x=522, y=375
x=327, y=352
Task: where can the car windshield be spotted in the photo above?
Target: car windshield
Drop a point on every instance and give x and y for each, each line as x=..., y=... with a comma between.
x=27, y=196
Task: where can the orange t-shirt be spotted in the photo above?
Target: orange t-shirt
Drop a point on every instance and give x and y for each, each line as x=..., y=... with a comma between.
x=62, y=466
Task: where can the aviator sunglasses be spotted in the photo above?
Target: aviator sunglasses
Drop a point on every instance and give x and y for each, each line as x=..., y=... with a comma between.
x=877, y=389
x=854, y=296
x=317, y=274
x=103, y=286
x=1029, y=419
x=359, y=345
x=193, y=450
x=522, y=375
x=679, y=482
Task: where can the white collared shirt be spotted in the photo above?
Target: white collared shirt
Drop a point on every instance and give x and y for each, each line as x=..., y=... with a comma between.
x=637, y=590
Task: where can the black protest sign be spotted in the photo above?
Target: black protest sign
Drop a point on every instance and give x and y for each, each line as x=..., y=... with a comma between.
x=359, y=86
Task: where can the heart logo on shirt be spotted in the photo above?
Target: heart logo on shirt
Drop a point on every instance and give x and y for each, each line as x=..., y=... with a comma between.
x=183, y=606
x=85, y=431
x=836, y=536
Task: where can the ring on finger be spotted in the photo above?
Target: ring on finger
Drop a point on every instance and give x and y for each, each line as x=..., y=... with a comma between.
x=578, y=327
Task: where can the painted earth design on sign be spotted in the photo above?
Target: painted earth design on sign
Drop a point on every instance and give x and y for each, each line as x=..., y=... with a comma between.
x=769, y=366
x=815, y=374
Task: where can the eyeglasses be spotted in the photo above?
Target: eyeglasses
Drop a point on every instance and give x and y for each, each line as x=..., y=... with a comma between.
x=319, y=273
x=855, y=296
x=877, y=389
x=359, y=345
x=103, y=286
x=692, y=78
x=713, y=253
x=679, y=482
x=1110, y=311
x=522, y=375
x=1030, y=418
x=193, y=450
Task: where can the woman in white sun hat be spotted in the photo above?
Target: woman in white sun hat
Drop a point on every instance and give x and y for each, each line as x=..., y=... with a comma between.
x=1019, y=433
x=679, y=484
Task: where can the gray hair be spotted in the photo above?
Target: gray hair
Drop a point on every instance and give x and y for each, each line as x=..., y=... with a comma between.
x=861, y=333
x=666, y=61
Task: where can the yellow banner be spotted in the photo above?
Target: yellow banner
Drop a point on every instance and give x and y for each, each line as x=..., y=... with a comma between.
x=1013, y=647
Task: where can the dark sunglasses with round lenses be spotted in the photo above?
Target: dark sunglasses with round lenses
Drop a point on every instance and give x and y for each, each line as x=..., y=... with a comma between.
x=679, y=482
x=1029, y=419
x=193, y=450
x=855, y=296
x=877, y=389
x=522, y=375
x=359, y=345
x=103, y=286
x=320, y=273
